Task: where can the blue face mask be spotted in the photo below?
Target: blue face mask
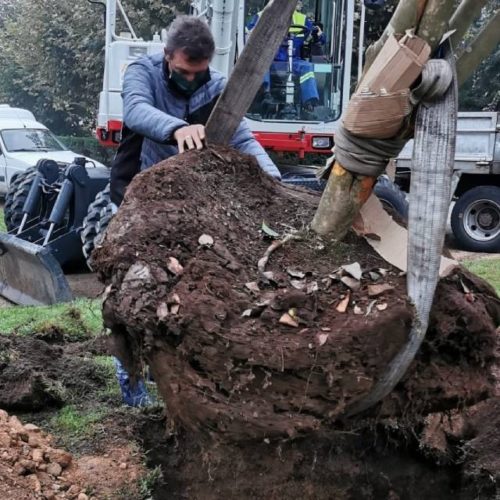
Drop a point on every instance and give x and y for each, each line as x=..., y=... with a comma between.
x=186, y=87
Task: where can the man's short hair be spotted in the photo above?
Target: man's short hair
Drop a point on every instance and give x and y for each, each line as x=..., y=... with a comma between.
x=192, y=36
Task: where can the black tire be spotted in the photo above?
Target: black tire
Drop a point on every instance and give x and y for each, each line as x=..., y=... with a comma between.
x=392, y=197
x=475, y=219
x=98, y=216
x=16, y=196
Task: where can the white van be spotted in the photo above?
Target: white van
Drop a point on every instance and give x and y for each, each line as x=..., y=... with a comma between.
x=24, y=141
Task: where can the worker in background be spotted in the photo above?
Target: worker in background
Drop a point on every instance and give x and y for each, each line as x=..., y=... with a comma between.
x=167, y=99
x=301, y=30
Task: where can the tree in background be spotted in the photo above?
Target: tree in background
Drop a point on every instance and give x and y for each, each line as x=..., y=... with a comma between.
x=52, y=55
x=482, y=89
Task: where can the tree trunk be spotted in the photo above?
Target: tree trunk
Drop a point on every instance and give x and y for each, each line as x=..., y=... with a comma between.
x=342, y=199
x=466, y=13
x=407, y=16
x=249, y=71
x=484, y=43
x=436, y=21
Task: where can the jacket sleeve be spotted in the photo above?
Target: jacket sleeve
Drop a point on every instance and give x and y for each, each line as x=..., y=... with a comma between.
x=244, y=141
x=139, y=112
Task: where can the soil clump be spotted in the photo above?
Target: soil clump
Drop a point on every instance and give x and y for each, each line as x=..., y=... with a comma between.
x=45, y=370
x=258, y=363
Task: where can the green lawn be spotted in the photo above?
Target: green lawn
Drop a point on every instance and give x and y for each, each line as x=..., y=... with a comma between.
x=3, y=228
x=78, y=319
x=488, y=269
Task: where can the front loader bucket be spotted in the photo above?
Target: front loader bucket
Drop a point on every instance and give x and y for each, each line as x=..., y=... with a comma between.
x=30, y=274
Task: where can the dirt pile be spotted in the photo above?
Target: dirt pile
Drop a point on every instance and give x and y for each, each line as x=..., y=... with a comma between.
x=45, y=370
x=30, y=467
x=253, y=352
x=33, y=467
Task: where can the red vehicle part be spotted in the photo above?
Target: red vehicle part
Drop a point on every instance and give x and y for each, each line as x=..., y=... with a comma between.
x=111, y=135
x=299, y=142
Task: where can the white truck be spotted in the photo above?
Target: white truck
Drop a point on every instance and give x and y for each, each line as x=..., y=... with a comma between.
x=475, y=216
x=24, y=141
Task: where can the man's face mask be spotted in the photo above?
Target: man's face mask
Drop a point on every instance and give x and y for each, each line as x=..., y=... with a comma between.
x=185, y=86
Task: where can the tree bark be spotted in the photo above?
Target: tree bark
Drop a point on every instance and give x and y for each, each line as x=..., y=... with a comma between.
x=484, y=43
x=466, y=13
x=406, y=16
x=436, y=21
x=249, y=71
x=342, y=199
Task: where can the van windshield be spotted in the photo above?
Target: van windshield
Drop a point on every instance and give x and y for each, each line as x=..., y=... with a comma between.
x=30, y=139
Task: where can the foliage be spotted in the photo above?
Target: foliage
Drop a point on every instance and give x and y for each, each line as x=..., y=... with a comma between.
x=52, y=55
x=482, y=90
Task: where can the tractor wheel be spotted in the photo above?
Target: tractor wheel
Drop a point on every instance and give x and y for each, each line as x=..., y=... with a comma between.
x=392, y=197
x=98, y=216
x=16, y=196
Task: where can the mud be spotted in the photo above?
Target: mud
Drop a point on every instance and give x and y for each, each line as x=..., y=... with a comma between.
x=47, y=371
x=253, y=398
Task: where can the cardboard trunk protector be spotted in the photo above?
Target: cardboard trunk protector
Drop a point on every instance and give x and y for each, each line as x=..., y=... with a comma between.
x=382, y=101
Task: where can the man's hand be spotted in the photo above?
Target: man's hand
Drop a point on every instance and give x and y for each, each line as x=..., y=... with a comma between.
x=190, y=137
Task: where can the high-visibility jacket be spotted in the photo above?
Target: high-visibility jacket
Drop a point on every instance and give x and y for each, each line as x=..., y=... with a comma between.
x=300, y=35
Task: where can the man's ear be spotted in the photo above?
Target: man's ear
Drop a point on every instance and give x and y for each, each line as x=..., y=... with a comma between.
x=167, y=56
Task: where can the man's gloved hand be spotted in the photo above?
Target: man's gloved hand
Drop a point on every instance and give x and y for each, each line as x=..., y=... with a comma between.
x=190, y=137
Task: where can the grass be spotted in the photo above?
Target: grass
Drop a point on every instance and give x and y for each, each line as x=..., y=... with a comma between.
x=72, y=422
x=488, y=269
x=148, y=482
x=3, y=227
x=77, y=320
x=106, y=367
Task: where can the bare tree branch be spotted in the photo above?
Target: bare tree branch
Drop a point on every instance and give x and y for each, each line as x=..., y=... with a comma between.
x=466, y=13
x=480, y=48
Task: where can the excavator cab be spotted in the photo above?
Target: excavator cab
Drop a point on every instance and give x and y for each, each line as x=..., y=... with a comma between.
x=305, y=80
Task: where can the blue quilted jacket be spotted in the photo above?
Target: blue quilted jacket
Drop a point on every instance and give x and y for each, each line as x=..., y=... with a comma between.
x=155, y=111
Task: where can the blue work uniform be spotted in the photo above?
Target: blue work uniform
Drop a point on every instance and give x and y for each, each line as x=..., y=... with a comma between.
x=303, y=69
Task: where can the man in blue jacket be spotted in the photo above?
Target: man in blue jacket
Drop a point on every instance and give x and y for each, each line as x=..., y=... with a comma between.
x=167, y=99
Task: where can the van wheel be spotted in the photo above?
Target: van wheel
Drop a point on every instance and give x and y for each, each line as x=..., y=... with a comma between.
x=17, y=193
x=475, y=219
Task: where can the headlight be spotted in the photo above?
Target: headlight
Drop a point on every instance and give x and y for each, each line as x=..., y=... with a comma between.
x=321, y=142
